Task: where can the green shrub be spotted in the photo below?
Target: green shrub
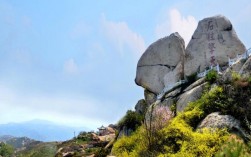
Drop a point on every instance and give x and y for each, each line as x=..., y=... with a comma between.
x=236, y=76
x=212, y=101
x=234, y=147
x=131, y=146
x=6, y=150
x=132, y=120
x=102, y=152
x=211, y=76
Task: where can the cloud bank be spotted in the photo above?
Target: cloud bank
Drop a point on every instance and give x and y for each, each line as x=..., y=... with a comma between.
x=123, y=37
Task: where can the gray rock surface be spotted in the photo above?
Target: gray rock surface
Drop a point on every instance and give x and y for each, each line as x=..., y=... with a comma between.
x=227, y=75
x=141, y=106
x=213, y=42
x=195, y=84
x=246, y=68
x=189, y=96
x=161, y=64
x=149, y=97
x=215, y=120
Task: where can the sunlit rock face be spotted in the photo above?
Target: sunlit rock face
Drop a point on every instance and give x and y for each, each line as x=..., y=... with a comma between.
x=161, y=64
x=212, y=43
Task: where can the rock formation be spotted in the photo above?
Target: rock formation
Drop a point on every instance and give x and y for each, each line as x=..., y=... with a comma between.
x=161, y=63
x=165, y=62
x=213, y=42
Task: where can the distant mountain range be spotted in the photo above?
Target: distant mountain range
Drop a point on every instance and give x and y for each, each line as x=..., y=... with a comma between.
x=40, y=130
x=18, y=142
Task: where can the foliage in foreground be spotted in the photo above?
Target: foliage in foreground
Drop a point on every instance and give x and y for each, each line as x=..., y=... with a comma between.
x=6, y=150
x=178, y=137
x=234, y=147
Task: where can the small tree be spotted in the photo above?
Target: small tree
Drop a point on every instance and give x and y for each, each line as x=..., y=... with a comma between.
x=131, y=120
x=156, y=119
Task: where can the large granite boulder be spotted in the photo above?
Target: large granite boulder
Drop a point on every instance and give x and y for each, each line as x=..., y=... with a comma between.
x=216, y=120
x=213, y=42
x=161, y=64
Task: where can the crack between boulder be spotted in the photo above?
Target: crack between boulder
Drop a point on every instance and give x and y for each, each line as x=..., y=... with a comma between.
x=165, y=65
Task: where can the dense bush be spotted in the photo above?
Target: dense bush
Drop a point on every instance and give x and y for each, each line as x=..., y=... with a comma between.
x=234, y=147
x=211, y=76
x=132, y=120
x=102, y=152
x=84, y=136
x=6, y=150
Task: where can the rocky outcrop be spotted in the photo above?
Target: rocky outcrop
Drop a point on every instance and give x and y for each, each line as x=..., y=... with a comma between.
x=213, y=42
x=215, y=120
x=236, y=67
x=245, y=71
x=189, y=96
x=141, y=106
x=125, y=131
x=149, y=97
x=161, y=64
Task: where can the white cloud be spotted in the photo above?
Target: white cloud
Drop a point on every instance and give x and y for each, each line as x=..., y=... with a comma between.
x=77, y=110
x=123, y=37
x=175, y=22
x=70, y=66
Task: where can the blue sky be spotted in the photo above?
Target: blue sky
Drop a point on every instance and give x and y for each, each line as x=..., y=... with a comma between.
x=74, y=62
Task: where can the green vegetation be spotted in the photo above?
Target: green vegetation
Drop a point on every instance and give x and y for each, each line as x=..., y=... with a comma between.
x=102, y=152
x=179, y=137
x=6, y=150
x=234, y=147
x=43, y=149
x=211, y=76
x=131, y=120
